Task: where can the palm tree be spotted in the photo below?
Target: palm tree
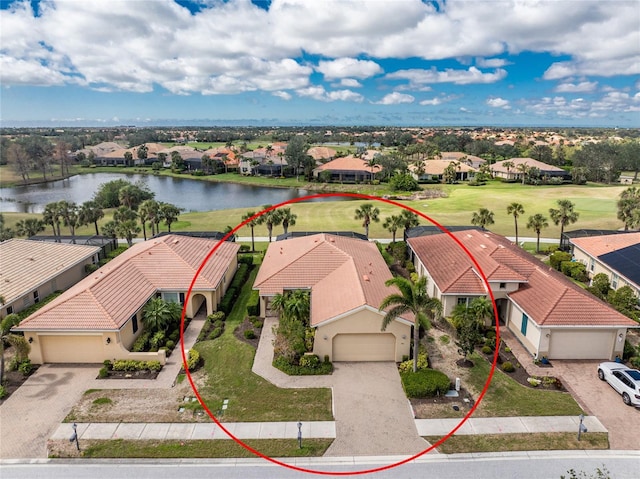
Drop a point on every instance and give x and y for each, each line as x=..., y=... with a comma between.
x=516, y=209
x=70, y=214
x=563, y=215
x=523, y=168
x=371, y=163
x=169, y=213
x=157, y=315
x=482, y=218
x=271, y=218
x=508, y=165
x=392, y=224
x=537, y=222
x=409, y=220
x=90, y=212
x=367, y=213
x=411, y=298
x=287, y=218
x=251, y=224
x=125, y=224
x=29, y=227
x=127, y=196
x=51, y=216
x=148, y=211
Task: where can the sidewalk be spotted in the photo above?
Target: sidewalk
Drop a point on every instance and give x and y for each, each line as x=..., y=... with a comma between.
x=318, y=429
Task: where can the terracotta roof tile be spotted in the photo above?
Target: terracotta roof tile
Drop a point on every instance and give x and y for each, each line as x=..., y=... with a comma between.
x=348, y=163
x=110, y=296
x=599, y=245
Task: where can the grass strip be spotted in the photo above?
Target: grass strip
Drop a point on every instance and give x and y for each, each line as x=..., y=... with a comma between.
x=542, y=441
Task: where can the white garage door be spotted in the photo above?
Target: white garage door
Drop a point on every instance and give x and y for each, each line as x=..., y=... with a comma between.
x=581, y=344
x=72, y=349
x=364, y=347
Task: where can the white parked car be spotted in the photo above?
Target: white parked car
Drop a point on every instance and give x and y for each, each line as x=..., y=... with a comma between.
x=623, y=379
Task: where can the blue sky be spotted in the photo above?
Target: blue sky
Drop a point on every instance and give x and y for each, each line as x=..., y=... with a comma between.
x=329, y=62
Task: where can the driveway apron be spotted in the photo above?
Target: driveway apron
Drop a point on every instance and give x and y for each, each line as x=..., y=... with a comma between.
x=373, y=416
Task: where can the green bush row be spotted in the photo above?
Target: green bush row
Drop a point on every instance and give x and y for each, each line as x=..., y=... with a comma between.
x=424, y=383
x=133, y=365
x=253, y=304
x=297, y=370
x=245, y=258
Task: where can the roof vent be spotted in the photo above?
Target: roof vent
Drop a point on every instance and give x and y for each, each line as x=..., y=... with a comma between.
x=175, y=241
x=365, y=277
x=483, y=246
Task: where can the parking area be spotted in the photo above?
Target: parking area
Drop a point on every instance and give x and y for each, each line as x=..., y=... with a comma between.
x=599, y=399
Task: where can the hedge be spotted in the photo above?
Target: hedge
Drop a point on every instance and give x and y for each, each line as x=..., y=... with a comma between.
x=294, y=370
x=253, y=304
x=424, y=383
x=246, y=259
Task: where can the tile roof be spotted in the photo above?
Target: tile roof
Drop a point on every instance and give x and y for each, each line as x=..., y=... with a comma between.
x=348, y=163
x=342, y=273
x=599, y=245
x=499, y=165
x=25, y=264
x=437, y=167
x=107, y=298
x=547, y=296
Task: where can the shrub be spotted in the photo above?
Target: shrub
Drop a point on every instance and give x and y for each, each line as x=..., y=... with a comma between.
x=217, y=316
x=170, y=344
x=193, y=360
x=424, y=383
x=175, y=335
x=409, y=266
x=557, y=258
x=285, y=366
x=486, y=350
x=253, y=304
x=154, y=365
x=101, y=401
x=403, y=182
x=326, y=358
x=227, y=301
x=218, y=324
x=256, y=322
x=635, y=361
x=215, y=333
x=141, y=343
x=507, y=367
x=107, y=363
x=310, y=361
x=240, y=277
x=103, y=373
x=491, y=334
x=156, y=340
x=407, y=365
x=3, y=392
x=25, y=367
x=507, y=349
x=534, y=382
x=245, y=258
x=9, y=322
x=91, y=268
x=249, y=334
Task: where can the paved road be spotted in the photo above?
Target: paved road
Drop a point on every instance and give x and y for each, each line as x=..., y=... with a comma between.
x=538, y=465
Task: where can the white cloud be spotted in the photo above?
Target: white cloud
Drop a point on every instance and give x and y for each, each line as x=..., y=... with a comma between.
x=608, y=104
x=438, y=100
x=282, y=94
x=491, y=62
x=348, y=67
x=317, y=92
x=498, y=103
x=449, y=75
x=350, y=83
x=582, y=87
x=395, y=98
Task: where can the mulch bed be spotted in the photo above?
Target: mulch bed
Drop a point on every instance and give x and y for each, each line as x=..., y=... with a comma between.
x=145, y=374
x=12, y=380
x=246, y=326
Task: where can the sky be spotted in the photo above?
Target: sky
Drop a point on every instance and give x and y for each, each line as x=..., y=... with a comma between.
x=320, y=62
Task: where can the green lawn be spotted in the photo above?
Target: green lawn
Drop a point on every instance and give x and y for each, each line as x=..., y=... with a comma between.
x=120, y=448
x=505, y=397
x=228, y=364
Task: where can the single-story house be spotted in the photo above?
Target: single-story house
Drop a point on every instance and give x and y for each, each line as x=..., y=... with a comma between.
x=471, y=160
x=434, y=170
x=106, y=243
x=101, y=316
x=32, y=270
x=349, y=169
x=499, y=170
x=617, y=256
x=320, y=153
x=549, y=314
x=346, y=278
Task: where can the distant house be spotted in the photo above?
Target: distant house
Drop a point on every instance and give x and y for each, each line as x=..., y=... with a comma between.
x=435, y=169
x=348, y=169
x=548, y=313
x=464, y=158
x=617, y=256
x=346, y=279
x=101, y=316
x=321, y=153
x=32, y=270
x=499, y=170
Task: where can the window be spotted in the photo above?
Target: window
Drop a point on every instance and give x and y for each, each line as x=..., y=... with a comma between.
x=592, y=264
x=614, y=281
x=464, y=301
x=168, y=297
x=134, y=323
x=36, y=296
x=523, y=326
x=181, y=296
x=9, y=309
x=503, y=285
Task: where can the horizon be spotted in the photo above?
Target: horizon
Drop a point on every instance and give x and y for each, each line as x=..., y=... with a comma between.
x=408, y=63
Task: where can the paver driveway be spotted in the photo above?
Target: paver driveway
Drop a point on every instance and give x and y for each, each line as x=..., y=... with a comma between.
x=599, y=399
x=373, y=416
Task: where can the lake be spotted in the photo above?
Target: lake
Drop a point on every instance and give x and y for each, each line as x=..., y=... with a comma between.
x=188, y=194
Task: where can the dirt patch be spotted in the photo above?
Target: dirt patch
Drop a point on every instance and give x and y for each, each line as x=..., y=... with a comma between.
x=12, y=380
x=246, y=325
x=141, y=405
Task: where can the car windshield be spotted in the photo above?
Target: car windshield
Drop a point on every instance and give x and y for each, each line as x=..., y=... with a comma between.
x=634, y=374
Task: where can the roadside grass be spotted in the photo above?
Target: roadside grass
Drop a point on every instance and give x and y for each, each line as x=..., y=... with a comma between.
x=548, y=441
x=120, y=448
x=505, y=397
x=228, y=362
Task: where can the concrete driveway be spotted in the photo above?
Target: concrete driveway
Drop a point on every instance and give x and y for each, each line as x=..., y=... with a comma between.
x=599, y=399
x=373, y=416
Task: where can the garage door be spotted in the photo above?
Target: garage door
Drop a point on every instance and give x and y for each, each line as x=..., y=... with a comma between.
x=72, y=349
x=581, y=344
x=364, y=347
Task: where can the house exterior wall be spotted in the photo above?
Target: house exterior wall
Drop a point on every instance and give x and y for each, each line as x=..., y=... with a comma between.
x=594, y=266
x=361, y=321
x=531, y=339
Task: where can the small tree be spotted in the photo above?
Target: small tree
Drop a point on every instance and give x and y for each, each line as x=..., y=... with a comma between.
x=367, y=213
x=392, y=224
x=600, y=286
x=483, y=217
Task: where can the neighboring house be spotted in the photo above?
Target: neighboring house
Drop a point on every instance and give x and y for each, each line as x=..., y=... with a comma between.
x=471, y=160
x=549, y=314
x=32, y=270
x=106, y=243
x=321, y=153
x=617, y=256
x=348, y=169
x=100, y=317
x=346, y=278
x=259, y=162
x=434, y=170
x=499, y=170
